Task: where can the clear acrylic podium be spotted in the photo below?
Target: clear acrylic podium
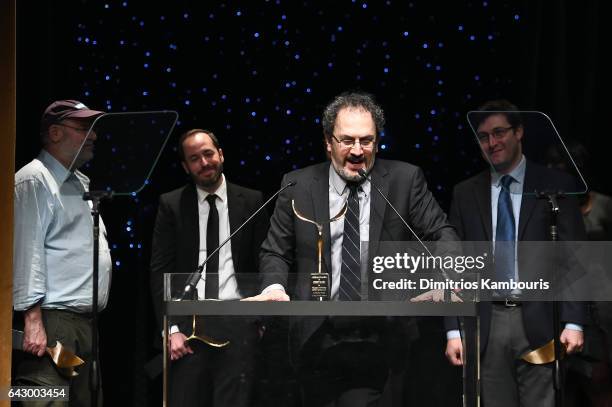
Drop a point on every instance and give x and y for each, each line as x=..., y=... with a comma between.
x=193, y=314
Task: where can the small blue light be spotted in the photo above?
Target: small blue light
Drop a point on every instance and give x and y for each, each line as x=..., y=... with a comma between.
x=287, y=141
x=433, y=112
x=472, y=37
x=87, y=40
x=417, y=116
x=124, y=4
x=114, y=246
x=386, y=70
x=148, y=53
x=287, y=43
x=107, y=77
x=256, y=35
x=406, y=33
x=187, y=102
x=141, y=23
x=296, y=56
x=106, y=6
x=460, y=28
x=340, y=28
x=145, y=93
x=489, y=37
x=247, y=100
x=145, y=65
x=186, y=15
x=238, y=13
x=476, y=77
x=268, y=158
x=131, y=245
x=139, y=246
x=417, y=146
x=383, y=146
x=242, y=162
x=425, y=45
x=129, y=229
x=308, y=90
x=253, y=114
x=364, y=5
x=516, y=17
x=87, y=93
x=283, y=17
x=288, y=111
x=117, y=263
x=168, y=69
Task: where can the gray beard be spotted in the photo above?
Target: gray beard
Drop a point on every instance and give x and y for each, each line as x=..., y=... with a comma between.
x=352, y=178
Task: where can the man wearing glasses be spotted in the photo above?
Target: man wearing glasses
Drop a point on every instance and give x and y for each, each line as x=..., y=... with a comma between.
x=347, y=361
x=495, y=205
x=53, y=248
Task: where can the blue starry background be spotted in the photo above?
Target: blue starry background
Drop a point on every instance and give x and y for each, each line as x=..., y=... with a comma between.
x=259, y=73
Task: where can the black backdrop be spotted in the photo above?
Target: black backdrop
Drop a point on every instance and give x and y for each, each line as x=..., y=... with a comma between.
x=258, y=74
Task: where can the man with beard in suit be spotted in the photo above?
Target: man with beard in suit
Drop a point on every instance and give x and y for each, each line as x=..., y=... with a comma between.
x=191, y=222
x=347, y=361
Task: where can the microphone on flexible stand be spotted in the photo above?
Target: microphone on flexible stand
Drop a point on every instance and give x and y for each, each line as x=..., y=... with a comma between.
x=192, y=281
x=365, y=176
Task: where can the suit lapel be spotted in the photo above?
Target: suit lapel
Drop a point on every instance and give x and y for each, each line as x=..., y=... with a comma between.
x=235, y=206
x=378, y=206
x=528, y=202
x=191, y=226
x=320, y=200
x=482, y=194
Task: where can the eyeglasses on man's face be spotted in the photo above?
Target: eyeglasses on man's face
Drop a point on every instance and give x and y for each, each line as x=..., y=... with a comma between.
x=349, y=142
x=497, y=133
x=81, y=129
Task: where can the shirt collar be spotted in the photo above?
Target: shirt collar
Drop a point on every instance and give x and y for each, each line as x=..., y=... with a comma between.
x=339, y=184
x=221, y=192
x=59, y=172
x=518, y=173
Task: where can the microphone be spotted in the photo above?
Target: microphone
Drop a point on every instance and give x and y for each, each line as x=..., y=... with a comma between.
x=192, y=281
x=365, y=177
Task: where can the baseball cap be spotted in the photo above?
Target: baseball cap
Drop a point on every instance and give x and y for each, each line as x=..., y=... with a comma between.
x=66, y=109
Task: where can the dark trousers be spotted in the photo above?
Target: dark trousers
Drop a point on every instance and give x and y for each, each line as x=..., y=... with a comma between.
x=344, y=367
x=219, y=377
x=508, y=381
x=74, y=332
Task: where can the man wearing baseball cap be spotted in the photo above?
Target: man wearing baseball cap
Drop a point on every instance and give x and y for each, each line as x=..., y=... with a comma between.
x=53, y=250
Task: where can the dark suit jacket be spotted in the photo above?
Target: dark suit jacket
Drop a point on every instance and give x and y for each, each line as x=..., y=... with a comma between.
x=471, y=215
x=176, y=237
x=288, y=254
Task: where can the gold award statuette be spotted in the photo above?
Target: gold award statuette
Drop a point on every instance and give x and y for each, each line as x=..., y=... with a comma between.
x=320, y=286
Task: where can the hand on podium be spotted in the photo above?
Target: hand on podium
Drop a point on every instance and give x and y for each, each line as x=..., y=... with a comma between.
x=271, y=295
x=435, y=296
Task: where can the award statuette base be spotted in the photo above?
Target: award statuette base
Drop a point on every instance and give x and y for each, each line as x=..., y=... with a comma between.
x=319, y=283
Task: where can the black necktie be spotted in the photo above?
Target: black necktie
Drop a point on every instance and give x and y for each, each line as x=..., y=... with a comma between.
x=504, y=234
x=350, y=272
x=212, y=242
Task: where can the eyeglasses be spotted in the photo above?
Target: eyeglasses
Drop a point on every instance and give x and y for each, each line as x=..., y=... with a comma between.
x=349, y=142
x=497, y=133
x=83, y=129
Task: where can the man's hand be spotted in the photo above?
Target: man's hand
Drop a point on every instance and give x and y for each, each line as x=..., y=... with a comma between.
x=572, y=340
x=272, y=295
x=454, y=351
x=178, y=346
x=34, y=334
x=434, y=296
